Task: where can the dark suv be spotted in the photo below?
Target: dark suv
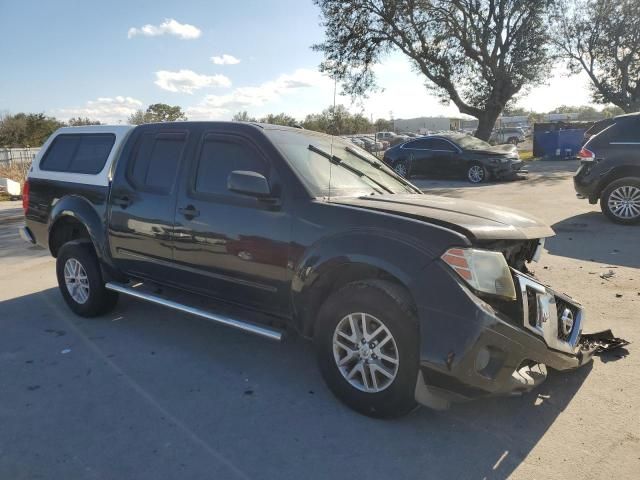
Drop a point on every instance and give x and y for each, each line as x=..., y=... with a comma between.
x=610, y=170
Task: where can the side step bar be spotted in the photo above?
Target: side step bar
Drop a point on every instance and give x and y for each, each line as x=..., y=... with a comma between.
x=267, y=332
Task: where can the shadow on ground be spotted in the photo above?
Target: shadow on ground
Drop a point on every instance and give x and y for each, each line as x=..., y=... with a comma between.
x=593, y=237
x=148, y=393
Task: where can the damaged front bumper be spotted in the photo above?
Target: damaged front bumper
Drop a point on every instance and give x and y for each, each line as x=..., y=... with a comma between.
x=494, y=353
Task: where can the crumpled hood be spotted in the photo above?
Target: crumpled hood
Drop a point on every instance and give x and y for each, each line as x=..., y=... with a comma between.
x=506, y=150
x=477, y=220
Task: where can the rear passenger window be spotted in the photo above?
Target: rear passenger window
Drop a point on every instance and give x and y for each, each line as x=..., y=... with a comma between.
x=156, y=159
x=78, y=153
x=218, y=158
x=626, y=130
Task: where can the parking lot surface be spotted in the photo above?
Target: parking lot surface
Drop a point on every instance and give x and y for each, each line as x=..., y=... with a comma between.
x=147, y=393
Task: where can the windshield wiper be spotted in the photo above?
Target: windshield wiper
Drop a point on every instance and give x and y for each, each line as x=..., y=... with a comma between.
x=378, y=165
x=338, y=161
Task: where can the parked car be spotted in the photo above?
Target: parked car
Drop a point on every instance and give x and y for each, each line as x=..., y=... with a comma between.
x=385, y=136
x=610, y=169
x=454, y=155
x=409, y=298
x=513, y=135
x=357, y=141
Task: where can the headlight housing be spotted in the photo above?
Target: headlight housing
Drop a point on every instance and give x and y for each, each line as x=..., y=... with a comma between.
x=484, y=270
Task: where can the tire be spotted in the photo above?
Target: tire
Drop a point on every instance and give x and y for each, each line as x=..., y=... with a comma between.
x=402, y=168
x=79, y=259
x=513, y=140
x=476, y=173
x=385, y=303
x=613, y=198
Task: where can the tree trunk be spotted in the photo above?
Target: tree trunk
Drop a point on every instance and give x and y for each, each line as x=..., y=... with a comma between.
x=486, y=122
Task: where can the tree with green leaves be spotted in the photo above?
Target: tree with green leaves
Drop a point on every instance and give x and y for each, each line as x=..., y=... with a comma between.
x=478, y=54
x=602, y=39
x=27, y=129
x=82, y=121
x=157, y=112
x=243, y=117
x=280, y=119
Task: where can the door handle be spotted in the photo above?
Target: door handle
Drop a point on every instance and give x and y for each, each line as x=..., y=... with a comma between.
x=122, y=202
x=189, y=212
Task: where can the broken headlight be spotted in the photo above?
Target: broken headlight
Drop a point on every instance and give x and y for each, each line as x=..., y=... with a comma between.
x=484, y=270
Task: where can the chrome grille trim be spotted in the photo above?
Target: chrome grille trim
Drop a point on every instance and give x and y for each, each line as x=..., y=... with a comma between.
x=546, y=323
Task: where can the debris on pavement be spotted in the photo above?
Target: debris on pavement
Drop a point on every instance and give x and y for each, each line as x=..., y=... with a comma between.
x=603, y=341
x=607, y=275
x=65, y=351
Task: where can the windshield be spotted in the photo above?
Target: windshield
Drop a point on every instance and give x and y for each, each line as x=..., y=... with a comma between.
x=467, y=142
x=338, y=169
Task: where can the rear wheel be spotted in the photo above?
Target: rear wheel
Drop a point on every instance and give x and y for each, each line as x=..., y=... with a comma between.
x=620, y=201
x=402, y=168
x=367, y=347
x=513, y=140
x=80, y=280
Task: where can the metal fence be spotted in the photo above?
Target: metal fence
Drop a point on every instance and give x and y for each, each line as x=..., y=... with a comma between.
x=10, y=156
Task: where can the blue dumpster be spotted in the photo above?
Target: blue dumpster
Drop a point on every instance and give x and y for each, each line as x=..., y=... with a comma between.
x=553, y=142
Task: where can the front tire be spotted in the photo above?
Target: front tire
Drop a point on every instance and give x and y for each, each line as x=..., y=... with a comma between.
x=367, y=346
x=476, y=173
x=620, y=201
x=80, y=280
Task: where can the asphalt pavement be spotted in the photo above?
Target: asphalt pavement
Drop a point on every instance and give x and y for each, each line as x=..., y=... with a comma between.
x=146, y=393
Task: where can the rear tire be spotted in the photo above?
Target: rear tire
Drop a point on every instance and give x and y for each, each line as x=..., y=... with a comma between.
x=620, y=201
x=402, y=168
x=386, y=309
x=80, y=280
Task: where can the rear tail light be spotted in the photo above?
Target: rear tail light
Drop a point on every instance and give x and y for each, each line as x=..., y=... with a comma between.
x=25, y=196
x=586, y=154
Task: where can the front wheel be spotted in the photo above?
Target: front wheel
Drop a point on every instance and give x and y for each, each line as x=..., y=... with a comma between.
x=476, y=173
x=620, y=201
x=80, y=280
x=366, y=341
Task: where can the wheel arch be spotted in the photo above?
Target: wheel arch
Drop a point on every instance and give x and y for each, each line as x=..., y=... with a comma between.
x=72, y=218
x=333, y=275
x=617, y=173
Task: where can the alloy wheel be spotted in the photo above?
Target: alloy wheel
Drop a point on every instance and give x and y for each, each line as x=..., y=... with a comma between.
x=475, y=174
x=76, y=280
x=365, y=352
x=624, y=202
x=401, y=169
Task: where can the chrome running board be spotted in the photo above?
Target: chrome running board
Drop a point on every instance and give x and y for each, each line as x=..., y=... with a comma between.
x=263, y=331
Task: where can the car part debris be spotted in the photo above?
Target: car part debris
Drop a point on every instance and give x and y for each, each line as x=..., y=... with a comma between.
x=600, y=342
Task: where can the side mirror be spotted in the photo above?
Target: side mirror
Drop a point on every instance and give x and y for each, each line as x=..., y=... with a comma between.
x=248, y=183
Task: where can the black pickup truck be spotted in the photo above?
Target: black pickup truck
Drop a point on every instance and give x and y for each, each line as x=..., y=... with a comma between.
x=409, y=298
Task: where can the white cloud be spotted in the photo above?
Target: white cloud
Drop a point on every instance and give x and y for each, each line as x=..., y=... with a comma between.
x=106, y=109
x=252, y=97
x=225, y=59
x=170, y=26
x=216, y=106
x=187, y=81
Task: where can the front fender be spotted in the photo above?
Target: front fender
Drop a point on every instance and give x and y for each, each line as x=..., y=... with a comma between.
x=360, y=252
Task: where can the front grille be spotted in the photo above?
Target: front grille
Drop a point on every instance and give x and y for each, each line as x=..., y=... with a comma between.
x=542, y=310
x=563, y=307
x=532, y=305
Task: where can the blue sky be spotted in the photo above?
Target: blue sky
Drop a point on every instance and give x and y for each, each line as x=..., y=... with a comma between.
x=104, y=59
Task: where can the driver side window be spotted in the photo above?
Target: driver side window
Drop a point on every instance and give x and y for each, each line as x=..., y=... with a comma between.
x=219, y=156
